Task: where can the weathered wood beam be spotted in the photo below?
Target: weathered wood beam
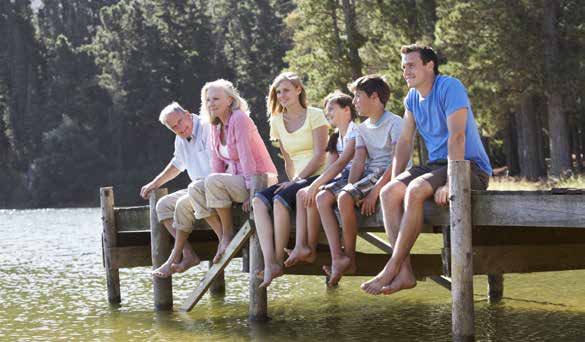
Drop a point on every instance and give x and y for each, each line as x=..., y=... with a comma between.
x=215, y=270
x=528, y=209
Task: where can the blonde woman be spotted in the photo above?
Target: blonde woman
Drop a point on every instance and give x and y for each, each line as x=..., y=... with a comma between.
x=237, y=154
x=302, y=134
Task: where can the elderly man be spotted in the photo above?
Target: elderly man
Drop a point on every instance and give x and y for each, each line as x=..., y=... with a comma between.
x=192, y=153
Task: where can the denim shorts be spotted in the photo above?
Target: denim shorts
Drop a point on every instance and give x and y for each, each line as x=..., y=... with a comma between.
x=288, y=196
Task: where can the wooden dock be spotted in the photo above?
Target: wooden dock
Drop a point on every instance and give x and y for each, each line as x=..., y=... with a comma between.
x=485, y=232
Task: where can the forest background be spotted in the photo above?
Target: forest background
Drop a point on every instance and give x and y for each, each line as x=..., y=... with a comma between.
x=82, y=81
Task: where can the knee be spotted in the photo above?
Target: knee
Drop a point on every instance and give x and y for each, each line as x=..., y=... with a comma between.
x=213, y=181
x=324, y=199
x=162, y=205
x=183, y=203
x=195, y=188
x=418, y=191
x=345, y=201
x=392, y=193
x=259, y=205
x=301, y=194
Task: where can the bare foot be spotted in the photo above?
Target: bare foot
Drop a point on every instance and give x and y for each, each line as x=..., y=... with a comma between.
x=189, y=260
x=165, y=270
x=384, y=278
x=299, y=254
x=340, y=267
x=223, y=245
x=404, y=280
x=271, y=272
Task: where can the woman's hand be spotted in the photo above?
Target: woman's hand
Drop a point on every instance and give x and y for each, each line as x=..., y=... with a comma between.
x=283, y=186
x=246, y=205
x=310, y=196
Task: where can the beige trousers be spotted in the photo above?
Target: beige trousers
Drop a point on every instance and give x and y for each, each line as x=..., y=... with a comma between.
x=179, y=207
x=219, y=190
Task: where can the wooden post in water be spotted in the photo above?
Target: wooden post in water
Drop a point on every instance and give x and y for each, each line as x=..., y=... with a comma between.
x=461, y=250
x=217, y=287
x=495, y=288
x=109, y=240
x=258, y=296
x=160, y=244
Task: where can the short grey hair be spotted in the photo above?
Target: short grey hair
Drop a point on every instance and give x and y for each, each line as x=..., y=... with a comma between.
x=171, y=108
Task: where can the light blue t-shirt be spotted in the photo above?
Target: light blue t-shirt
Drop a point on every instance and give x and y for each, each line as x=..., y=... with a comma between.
x=430, y=114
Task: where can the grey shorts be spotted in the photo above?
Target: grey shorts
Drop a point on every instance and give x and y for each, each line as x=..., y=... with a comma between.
x=435, y=173
x=360, y=189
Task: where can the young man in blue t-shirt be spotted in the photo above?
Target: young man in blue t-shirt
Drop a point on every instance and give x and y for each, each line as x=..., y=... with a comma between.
x=438, y=107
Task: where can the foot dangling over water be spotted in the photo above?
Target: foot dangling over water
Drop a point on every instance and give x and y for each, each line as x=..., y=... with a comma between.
x=299, y=254
x=339, y=267
x=270, y=272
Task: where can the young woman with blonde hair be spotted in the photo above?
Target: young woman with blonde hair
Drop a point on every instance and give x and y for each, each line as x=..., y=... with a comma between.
x=302, y=133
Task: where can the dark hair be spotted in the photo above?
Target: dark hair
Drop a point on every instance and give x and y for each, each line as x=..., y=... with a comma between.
x=344, y=101
x=370, y=84
x=427, y=54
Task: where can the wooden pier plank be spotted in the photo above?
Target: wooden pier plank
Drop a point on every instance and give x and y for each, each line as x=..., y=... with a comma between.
x=234, y=247
x=528, y=209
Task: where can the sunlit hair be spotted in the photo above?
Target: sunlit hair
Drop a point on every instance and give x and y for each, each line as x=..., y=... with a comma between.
x=343, y=101
x=231, y=91
x=274, y=107
x=427, y=54
x=370, y=84
x=171, y=108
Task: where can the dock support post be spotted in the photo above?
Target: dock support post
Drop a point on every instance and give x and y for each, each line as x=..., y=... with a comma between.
x=461, y=250
x=217, y=287
x=495, y=288
x=109, y=240
x=258, y=296
x=160, y=244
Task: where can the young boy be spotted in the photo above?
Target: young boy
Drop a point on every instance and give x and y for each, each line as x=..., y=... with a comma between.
x=371, y=169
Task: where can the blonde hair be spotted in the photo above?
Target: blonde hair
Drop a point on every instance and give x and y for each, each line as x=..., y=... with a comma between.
x=171, y=108
x=231, y=91
x=274, y=107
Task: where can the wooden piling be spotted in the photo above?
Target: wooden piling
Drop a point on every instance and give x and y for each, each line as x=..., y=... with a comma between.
x=461, y=250
x=109, y=240
x=495, y=290
x=258, y=296
x=217, y=287
x=161, y=247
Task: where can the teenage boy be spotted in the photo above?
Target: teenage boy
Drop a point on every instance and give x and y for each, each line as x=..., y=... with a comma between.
x=370, y=170
x=439, y=108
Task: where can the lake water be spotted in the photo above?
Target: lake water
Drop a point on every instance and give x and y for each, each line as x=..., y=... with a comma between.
x=52, y=287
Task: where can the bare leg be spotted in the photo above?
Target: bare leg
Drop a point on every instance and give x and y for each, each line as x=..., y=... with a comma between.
x=166, y=269
x=265, y=232
x=302, y=251
x=342, y=262
x=397, y=273
x=225, y=216
x=189, y=257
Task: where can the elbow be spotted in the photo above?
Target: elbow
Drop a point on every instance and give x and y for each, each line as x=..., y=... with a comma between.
x=457, y=139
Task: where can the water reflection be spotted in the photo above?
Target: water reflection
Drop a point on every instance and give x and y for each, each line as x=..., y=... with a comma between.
x=52, y=286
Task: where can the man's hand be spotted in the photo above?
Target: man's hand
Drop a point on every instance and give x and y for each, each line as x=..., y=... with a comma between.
x=147, y=189
x=442, y=195
x=369, y=203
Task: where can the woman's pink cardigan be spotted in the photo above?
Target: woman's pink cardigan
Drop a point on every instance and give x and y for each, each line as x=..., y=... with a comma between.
x=247, y=152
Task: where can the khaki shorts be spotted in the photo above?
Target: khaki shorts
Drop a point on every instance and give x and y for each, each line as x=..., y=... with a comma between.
x=435, y=173
x=177, y=206
x=219, y=190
